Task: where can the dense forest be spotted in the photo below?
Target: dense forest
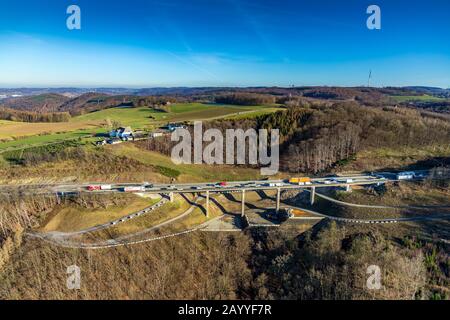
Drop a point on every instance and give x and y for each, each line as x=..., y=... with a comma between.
x=245, y=99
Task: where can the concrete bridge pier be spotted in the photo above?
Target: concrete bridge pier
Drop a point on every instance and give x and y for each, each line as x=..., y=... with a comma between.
x=348, y=188
x=207, y=204
x=243, y=203
x=312, y=195
x=278, y=199
x=171, y=196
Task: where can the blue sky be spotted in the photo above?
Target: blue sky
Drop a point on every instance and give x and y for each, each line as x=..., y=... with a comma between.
x=148, y=43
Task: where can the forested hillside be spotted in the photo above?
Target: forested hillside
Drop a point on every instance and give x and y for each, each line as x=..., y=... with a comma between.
x=48, y=102
x=317, y=137
x=28, y=116
x=416, y=98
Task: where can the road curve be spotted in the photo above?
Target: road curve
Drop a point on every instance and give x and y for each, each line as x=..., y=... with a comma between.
x=378, y=206
x=67, y=244
x=64, y=242
x=58, y=234
x=375, y=221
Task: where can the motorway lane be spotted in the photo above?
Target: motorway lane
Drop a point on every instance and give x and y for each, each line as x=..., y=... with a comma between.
x=251, y=185
x=213, y=187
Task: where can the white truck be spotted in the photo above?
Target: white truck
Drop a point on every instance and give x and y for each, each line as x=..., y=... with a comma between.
x=275, y=184
x=134, y=189
x=406, y=175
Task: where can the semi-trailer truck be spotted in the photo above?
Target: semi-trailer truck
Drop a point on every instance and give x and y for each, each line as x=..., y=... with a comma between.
x=300, y=181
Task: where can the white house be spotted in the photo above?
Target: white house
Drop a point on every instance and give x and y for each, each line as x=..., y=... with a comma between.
x=122, y=133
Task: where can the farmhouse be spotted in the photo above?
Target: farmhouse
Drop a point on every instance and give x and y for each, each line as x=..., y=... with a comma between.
x=122, y=133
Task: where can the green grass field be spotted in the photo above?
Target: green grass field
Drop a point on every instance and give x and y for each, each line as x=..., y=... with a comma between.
x=253, y=113
x=41, y=140
x=422, y=98
x=17, y=135
x=136, y=117
x=141, y=118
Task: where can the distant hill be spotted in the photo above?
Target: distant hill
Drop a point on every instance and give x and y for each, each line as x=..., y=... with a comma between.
x=78, y=101
x=87, y=101
x=93, y=101
x=439, y=92
x=48, y=102
x=53, y=102
x=72, y=92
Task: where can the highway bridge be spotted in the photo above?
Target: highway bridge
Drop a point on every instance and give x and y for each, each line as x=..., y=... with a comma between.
x=206, y=189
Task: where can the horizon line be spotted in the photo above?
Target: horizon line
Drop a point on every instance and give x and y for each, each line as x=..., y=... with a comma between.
x=218, y=87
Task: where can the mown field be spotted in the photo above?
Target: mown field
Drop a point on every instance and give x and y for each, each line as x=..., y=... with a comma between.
x=144, y=117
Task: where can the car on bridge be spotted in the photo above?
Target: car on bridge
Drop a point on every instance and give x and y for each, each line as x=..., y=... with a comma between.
x=274, y=184
x=147, y=184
